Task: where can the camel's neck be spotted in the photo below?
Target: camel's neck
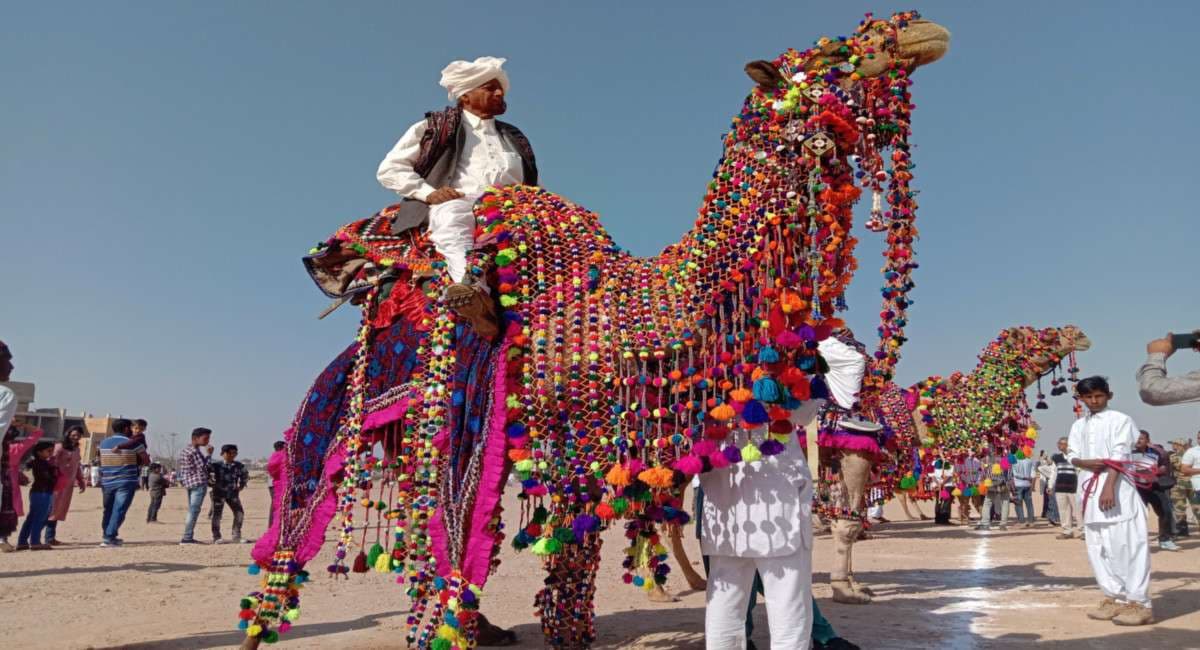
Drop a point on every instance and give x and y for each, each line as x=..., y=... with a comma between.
x=774, y=223
x=981, y=400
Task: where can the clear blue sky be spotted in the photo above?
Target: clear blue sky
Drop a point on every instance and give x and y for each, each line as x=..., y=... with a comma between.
x=163, y=166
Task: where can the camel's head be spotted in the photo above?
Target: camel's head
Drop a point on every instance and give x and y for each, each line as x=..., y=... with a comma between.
x=1040, y=351
x=897, y=47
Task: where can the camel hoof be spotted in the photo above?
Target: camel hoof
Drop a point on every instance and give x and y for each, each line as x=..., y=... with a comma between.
x=844, y=592
x=660, y=595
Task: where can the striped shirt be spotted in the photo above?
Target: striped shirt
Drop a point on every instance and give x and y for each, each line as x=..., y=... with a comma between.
x=118, y=467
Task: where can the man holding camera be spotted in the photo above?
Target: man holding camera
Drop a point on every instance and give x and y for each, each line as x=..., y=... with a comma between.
x=1155, y=388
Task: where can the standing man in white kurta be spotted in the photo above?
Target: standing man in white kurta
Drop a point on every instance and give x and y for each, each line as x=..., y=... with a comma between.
x=1114, y=519
x=758, y=517
x=443, y=164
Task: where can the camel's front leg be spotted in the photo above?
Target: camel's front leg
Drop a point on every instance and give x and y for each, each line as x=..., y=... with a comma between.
x=567, y=602
x=685, y=564
x=855, y=471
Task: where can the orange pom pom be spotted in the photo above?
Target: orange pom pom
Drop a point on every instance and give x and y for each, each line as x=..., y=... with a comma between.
x=658, y=477
x=722, y=413
x=618, y=476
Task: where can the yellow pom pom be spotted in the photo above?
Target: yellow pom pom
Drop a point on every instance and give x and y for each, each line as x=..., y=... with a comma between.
x=254, y=630
x=446, y=632
x=957, y=492
x=997, y=470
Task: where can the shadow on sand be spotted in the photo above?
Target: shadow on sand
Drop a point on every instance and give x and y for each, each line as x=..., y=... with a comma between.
x=918, y=616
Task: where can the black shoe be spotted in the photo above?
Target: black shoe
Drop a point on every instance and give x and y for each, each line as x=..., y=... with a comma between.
x=188, y=542
x=836, y=643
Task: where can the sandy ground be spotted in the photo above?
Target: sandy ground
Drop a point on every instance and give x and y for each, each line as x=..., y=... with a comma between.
x=943, y=587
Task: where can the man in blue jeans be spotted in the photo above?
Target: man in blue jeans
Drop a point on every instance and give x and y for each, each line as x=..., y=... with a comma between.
x=1024, y=478
x=119, y=463
x=191, y=472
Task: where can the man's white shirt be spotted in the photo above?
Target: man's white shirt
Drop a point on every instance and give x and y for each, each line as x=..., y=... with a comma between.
x=1107, y=435
x=1191, y=458
x=484, y=161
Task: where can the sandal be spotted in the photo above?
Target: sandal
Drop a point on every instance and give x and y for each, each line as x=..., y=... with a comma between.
x=475, y=306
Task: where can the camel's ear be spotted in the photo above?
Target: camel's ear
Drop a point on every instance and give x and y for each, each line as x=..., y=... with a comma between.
x=765, y=74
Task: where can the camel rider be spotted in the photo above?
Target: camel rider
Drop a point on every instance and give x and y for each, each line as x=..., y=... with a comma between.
x=844, y=354
x=443, y=164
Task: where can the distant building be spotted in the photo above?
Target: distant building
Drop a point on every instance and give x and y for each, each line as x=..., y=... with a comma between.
x=55, y=421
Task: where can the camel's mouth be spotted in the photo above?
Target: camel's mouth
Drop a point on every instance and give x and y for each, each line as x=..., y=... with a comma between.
x=1082, y=343
x=340, y=273
x=922, y=42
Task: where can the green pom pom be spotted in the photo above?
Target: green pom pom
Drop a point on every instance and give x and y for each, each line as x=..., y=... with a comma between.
x=547, y=546
x=245, y=603
x=440, y=644
x=564, y=535
x=619, y=505
x=271, y=637
x=373, y=554
x=540, y=515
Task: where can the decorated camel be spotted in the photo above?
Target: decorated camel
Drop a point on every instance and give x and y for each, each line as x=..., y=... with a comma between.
x=615, y=378
x=957, y=416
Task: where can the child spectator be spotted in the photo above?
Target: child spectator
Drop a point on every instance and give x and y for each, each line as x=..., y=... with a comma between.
x=1114, y=518
x=157, y=484
x=41, y=496
x=137, y=438
x=227, y=478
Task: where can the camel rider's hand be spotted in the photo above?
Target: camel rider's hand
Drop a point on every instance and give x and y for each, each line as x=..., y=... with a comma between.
x=442, y=195
x=1161, y=346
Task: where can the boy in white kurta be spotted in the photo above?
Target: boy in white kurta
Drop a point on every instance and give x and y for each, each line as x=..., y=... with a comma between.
x=1114, y=518
x=758, y=517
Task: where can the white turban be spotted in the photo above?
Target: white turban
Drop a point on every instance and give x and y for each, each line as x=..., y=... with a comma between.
x=461, y=77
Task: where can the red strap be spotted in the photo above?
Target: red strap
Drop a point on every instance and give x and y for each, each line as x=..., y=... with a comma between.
x=1142, y=474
